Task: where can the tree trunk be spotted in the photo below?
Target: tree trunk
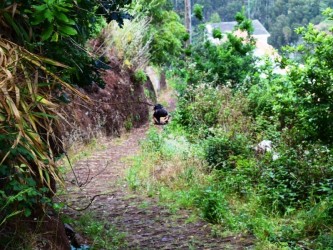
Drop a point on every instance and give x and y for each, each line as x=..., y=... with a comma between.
x=188, y=21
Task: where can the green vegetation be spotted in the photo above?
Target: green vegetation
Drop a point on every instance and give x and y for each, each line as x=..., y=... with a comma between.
x=279, y=17
x=102, y=235
x=42, y=56
x=49, y=28
x=228, y=101
x=27, y=112
x=128, y=42
x=166, y=33
x=203, y=64
x=197, y=10
x=205, y=159
x=140, y=77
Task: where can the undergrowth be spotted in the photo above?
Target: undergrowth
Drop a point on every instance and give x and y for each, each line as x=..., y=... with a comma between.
x=101, y=234
x=167, y=167
x=285, y=202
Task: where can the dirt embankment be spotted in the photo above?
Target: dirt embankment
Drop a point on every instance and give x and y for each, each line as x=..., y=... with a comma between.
x=121, y=105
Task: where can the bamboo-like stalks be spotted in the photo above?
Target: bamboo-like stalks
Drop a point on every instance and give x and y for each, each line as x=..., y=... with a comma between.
x=28, y=111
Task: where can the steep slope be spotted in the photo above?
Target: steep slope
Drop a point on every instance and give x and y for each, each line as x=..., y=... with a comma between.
x=120, y=105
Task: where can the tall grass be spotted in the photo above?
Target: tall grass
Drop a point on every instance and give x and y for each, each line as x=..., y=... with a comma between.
x=167, y=166
x=128, y=43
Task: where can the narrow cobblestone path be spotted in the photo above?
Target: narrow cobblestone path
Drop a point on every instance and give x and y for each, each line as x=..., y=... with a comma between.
x=146, y=224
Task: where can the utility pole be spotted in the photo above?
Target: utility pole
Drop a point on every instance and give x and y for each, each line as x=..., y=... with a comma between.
x=188, y=20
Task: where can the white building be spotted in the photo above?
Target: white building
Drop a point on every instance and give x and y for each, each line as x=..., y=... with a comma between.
x=260, y=34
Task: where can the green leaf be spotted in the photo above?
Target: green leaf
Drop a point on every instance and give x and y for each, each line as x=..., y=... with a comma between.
x=55, y=37
x=38, y=18
x=48, y=14
x=54, y=63
x=46, y=34
x=3, y=194
x=10, y=215
x=63, y=18
x=62, y=9
x=67, y=30
x=18, y=29
x=10, y=20
x=31, y=182
x=71, y=22
x=27, y=212
x=39, y=8
x=43, y=115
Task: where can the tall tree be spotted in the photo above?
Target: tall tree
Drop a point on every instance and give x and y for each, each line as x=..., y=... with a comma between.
x=166, y=32
x=188, y=22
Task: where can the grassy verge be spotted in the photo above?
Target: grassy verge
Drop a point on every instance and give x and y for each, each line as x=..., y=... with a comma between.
x=101, y=234
x=167, y=167
x=174, y=169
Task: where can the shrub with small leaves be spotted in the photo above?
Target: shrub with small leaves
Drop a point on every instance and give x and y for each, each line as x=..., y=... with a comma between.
x=140, y=76
x=198, y=11
x=217, y=33
x=299, y=176
x=220, y=151
x=214, y=206
x=20, y=193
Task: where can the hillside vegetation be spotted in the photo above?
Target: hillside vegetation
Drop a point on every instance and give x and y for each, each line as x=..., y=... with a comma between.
x=209, y=158
x=81, y=64
x=279, y=17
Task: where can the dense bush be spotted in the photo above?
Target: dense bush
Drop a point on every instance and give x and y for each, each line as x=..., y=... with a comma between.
x=27, y=119
x=165, y=33
x=213, y=205
x=301, y=100
x=294, y=180
x=274, y=99
x=199, y=109
x=215, y=64
x=300, y=176
x=60, y=30
x=20, y=193
x=205, y=111
x=42, y=50
x=220, y=152
x=313, y=84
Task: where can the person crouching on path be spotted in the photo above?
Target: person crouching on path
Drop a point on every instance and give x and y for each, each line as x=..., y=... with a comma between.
x=160, y=116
